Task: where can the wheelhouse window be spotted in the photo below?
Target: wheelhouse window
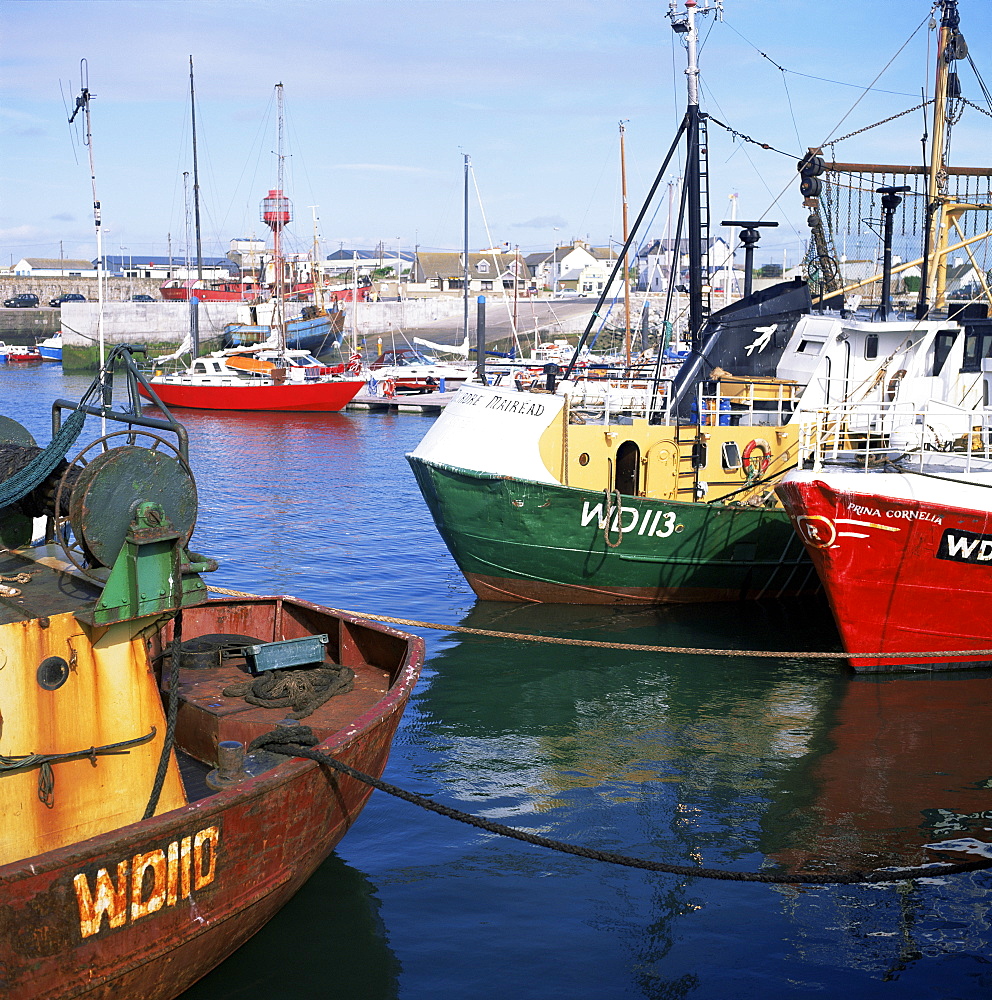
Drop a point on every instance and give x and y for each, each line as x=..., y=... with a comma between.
x=942, y=348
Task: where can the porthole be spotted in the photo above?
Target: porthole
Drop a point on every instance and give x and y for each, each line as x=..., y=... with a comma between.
x=53, y=673
x=584, y=458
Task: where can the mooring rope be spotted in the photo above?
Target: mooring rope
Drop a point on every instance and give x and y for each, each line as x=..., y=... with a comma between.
x=299, y=741
x=941, y=654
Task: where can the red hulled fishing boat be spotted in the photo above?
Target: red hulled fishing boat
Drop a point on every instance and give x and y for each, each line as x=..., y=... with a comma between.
x=148, y=832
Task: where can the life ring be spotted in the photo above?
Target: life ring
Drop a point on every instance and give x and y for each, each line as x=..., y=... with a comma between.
x=893, y=386
x=388, y=388
x=766, y=455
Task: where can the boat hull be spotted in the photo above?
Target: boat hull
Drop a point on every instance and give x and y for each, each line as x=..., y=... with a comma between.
x=180, y=892
x=303, y=397
x=901, y=574
x=315, y=335
x=520, y=540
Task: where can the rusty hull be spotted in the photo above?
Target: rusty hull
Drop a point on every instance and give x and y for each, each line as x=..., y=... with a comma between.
x=143, y=912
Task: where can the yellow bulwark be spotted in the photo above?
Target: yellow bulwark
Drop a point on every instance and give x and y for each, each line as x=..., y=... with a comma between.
x=109, y=695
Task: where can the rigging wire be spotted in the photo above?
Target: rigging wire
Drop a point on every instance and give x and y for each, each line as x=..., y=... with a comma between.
x=810, y=76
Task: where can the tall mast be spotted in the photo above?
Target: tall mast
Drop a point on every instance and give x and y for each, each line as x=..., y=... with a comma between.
x=83, y=104
x=465, y=269
x=696, y=204
x=196, y=178
x=276, y=214
x=626, y=262
x=940, y=212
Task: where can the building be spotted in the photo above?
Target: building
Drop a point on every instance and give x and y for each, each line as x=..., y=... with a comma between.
x=489, y=271
x=655, y=261
x=162, y=268
x=53, y=267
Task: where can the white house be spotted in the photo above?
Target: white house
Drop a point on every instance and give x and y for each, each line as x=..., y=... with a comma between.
x=53, y=267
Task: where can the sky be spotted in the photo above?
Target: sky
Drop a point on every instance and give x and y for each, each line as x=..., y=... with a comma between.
x=384, y=99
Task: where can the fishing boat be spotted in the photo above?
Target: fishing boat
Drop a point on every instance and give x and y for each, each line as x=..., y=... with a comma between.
x=50, y=348
x=895, y=510
x=891, y=500
x=624, y=486
x=145, y=837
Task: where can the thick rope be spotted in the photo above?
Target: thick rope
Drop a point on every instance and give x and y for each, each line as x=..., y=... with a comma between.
x=644, y=648
x=170, y=720
x=281, y=742
x=22, y=482
x=304, y=690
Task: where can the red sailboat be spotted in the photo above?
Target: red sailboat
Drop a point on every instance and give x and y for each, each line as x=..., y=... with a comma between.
x=265, y=376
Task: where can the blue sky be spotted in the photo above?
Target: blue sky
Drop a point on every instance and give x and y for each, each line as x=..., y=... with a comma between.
x=384, y=98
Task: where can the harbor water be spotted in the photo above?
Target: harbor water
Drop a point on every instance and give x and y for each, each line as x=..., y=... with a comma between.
x=744, y=764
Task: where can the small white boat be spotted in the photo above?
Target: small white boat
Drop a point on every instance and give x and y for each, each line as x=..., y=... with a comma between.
x=50, y=349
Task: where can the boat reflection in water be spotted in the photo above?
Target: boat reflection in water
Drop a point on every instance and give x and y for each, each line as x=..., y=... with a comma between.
x=781, y=766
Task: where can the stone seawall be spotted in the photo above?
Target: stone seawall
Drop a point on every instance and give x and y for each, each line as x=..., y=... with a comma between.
x=162, y=326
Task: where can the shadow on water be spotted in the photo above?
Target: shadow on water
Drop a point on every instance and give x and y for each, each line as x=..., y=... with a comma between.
x=328, y=941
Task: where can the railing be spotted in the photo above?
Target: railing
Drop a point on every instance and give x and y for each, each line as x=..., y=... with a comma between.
x=617, y=398
x=873, y=435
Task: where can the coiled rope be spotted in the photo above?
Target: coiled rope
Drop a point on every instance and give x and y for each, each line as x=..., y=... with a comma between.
x=299, y=741
x=554, y=640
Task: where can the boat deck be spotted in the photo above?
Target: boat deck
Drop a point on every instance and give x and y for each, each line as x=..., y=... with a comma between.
x=48, y=590
x=206, y=716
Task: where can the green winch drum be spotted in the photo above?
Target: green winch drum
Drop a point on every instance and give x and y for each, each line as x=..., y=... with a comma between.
x=106, y=491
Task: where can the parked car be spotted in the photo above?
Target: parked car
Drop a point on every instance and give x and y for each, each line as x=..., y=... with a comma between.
x=142, y=298
x=22, y=301
x=67, y=297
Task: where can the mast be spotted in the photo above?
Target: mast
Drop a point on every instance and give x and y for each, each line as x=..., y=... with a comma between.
x=941, y=211
x=276, y=214
x=626, y=262
x=316, y=276
x=83, y=104
x=696, y=196
x=465, y=270
x=196, y=178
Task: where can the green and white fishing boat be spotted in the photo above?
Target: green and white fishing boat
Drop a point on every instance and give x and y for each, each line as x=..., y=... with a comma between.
x=627, y=487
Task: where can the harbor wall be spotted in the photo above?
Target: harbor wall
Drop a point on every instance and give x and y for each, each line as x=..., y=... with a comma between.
x=159, y=326
x=162, y=326
x=27, y=326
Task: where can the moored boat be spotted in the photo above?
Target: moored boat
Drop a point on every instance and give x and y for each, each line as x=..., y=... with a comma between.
x=184, y=289
x=268, y=375
x=21, y=354
x=315, y=330
x=50, y=348
x=263, y=379
x=895, y=510
x=410, y=371
x=628, y=485
x=145, y=838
